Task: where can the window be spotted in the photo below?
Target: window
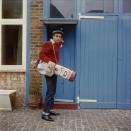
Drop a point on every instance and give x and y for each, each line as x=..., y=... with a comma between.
x=12, y=8
x=98, y=6
x=62, y=8
x=12, y=35
x=127, y=6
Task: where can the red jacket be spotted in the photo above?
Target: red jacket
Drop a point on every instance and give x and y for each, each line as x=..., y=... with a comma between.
x=47, y=53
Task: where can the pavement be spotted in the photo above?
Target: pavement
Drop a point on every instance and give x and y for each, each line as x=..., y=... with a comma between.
x=26, y=119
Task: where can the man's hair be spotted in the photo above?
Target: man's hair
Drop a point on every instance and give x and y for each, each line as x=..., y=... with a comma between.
x=58, y=32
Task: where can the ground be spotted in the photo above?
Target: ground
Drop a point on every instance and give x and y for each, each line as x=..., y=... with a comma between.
x=26, y=119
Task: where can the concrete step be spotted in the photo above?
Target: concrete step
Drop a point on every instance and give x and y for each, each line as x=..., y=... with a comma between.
x=65, y=105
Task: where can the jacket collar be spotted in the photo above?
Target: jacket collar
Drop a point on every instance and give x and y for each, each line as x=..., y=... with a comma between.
x=53, y=42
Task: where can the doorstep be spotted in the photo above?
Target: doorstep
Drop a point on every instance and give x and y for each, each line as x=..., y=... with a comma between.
x=65, y=105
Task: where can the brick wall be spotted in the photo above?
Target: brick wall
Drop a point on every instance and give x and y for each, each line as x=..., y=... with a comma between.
x=36, y=38
x=16, y=81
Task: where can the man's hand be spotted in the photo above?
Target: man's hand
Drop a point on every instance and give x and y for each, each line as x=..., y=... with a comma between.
x=52, y=65
x=34, y=64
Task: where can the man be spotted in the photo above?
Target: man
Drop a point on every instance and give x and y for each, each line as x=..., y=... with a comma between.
x=50, y=54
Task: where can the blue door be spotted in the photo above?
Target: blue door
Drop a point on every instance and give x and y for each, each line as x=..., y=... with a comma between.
x=65, y=89
x=97, y=62
x=124, y=63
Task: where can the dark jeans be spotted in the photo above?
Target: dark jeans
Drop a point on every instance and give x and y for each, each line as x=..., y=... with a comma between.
x=50, y=93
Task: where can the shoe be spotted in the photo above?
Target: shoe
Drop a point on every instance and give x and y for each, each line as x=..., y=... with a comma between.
x=53, y=113
x=47, y=118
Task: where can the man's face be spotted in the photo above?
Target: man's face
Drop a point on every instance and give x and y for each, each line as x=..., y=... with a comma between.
x=57, y=37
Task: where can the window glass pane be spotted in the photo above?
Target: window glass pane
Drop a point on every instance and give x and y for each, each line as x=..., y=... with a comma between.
x=11, y=45
x=12, y=9
x=98, y=6
x=94, y=6
x=62, y=8
x=109, y=6
x=127, y=6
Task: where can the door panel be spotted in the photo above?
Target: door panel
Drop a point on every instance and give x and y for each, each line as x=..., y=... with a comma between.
x=97, y=62
x=65, y=88
x=124, y=63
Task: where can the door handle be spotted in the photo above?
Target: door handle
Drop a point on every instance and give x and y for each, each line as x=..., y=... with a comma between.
x=90, y=17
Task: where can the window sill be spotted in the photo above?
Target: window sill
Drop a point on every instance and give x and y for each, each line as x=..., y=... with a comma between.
x=59, y=21
x=12, y=68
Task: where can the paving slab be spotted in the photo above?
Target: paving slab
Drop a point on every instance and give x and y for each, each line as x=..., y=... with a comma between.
x=26, y=119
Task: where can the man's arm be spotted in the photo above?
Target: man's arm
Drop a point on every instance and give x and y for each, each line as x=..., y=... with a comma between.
x=43, y=53
x=44, y=57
